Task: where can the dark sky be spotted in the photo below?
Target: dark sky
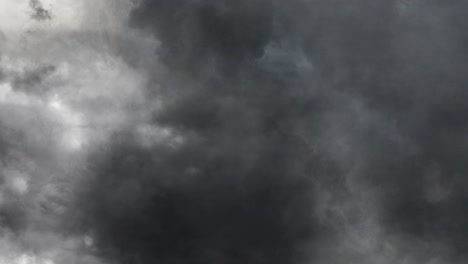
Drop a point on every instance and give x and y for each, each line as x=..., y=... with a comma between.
x=248, y=131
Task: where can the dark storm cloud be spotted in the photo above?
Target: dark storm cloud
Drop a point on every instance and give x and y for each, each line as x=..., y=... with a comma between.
x=280, y=104
x=238, y=188
x=195, y=33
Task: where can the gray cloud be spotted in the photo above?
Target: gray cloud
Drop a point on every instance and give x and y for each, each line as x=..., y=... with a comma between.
x=39, y=12
x=240, y=132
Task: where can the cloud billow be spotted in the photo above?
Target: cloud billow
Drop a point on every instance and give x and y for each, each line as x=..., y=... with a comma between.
x=252, y=132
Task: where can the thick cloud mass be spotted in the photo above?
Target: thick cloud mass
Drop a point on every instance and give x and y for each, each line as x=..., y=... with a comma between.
x=194, y=32
x=237, y=187
x=250, y=131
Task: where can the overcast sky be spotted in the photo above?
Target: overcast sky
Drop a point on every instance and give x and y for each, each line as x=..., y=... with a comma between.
x=218, y=131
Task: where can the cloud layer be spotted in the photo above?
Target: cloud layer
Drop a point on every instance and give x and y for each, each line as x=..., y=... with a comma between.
x=261, y=131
